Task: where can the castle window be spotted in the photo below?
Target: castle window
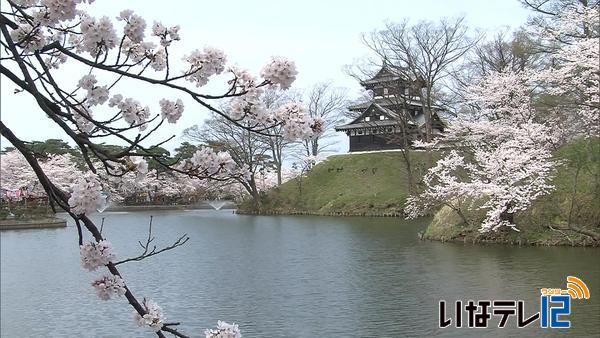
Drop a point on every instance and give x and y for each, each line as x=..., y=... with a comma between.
x=381, y=117
x=406, y=91
x=385, y=91
x=368, y=118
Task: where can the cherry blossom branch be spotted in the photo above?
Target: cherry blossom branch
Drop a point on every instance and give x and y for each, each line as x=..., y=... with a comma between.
x=40, y=37
x=61, y=198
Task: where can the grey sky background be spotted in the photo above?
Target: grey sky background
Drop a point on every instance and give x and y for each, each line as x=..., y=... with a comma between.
x=320, y=36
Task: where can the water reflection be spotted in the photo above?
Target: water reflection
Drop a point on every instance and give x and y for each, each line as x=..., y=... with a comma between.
x=281, y=277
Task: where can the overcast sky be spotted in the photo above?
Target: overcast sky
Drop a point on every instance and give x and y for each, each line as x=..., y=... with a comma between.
x=320, y=36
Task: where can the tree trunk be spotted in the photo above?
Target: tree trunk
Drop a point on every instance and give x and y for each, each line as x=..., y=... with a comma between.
x=315, y=146
x=408, y=166
x=426, y=102
x=255, y=194
x=278, y=168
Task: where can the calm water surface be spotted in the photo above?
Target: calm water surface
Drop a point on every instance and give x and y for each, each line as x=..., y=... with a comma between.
x=282, y=277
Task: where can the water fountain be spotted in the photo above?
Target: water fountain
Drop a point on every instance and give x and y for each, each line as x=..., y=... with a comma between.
x=217, y=204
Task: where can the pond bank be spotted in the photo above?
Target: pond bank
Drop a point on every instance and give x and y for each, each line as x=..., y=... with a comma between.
x=447, y=226
x=392, y=213
x=34, y=221
x=202, y=205
x=39, y=223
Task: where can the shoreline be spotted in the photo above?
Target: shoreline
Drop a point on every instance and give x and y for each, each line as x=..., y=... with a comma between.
x=50, y=222
x=310, y=213
x=525, y=238
x=472, y=240
x=40, y=223
x=201, y=206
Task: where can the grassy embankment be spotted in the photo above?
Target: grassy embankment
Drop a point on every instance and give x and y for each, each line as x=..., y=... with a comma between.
x=350, y=184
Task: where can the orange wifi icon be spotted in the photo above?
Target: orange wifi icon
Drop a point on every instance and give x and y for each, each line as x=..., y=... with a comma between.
x=577, y=288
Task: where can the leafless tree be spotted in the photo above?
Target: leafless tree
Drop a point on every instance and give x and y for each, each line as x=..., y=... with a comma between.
x=277, y=145
x=247, y=149
x=364, y=97
x=555, y=7
x=329, y=103
x=423, y=53
x=503, y=52
x=547, y=11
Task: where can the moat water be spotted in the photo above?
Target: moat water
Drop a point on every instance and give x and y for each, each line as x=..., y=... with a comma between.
x=283, y=277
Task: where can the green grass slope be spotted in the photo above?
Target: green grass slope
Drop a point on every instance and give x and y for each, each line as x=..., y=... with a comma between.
x=350, y=184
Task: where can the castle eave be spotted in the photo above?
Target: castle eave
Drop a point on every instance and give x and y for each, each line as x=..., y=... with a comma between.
x=361, y=125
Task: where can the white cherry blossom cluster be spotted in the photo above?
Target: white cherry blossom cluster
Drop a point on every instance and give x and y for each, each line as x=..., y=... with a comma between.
x=224, y=330
x=251, y=108
x=503, y=158
x=16, y=173
x=140, y=166
x=98, y=35
x=28, y=37
x=154, y=317
x=569, y=24
x=86, y=195
x=132, y=111
x=138, y=52
x=505, y=95
x=141, y=51
x=144, y=50
x=204, y=64
x=250, y=105
x=171, y=110
x=245, y=82
x=158, y=60
x=57, y=11
x=96, y=95
x=115, y=100
x=166, y=35
x=82, y=118
x=208, y=162
x=87, y=82
x=280, y=71
x=576, y=82
x=26, y=3
x=217, y=165
x=62, y=169
x=96, y=254
x=109, y=285
x=55, y=60
x=505, y=167
x=573, y=76
x=52, y=12
x=297, y=124
x=135, y=25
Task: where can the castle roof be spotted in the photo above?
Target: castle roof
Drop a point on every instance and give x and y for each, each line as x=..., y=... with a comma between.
x=386, y=102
